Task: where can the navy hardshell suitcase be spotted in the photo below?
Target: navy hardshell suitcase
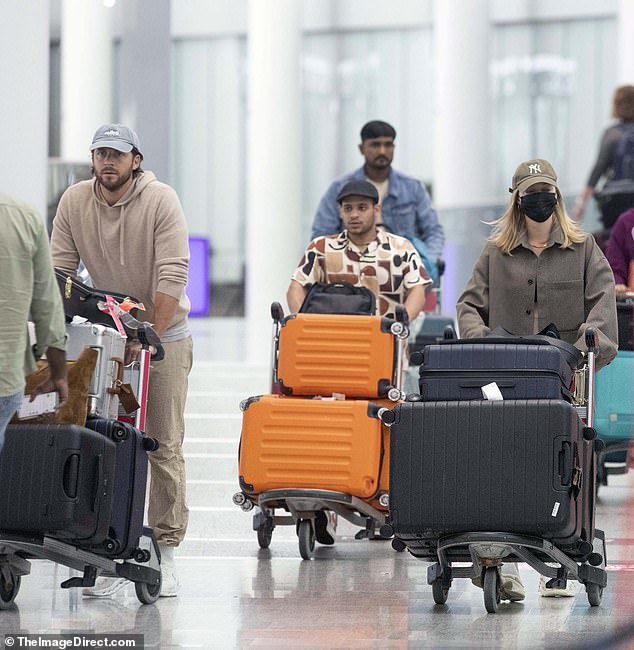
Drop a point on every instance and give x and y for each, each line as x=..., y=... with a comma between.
x=457, y=370
x=519, y=467
x=57, y=480
x=130, y=478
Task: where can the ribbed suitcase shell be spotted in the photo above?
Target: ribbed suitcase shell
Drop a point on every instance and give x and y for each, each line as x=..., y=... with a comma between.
x=57, y=480
x=111, y=348
x=458, y=371
x=322, y=354
x=490, y=466
x=614, y=399
x=130, y=479
x=292, y=442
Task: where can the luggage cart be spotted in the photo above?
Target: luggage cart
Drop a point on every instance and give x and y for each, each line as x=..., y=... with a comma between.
x=143, y=568
x=486, y=552
x=16, y=551
x=298, y=507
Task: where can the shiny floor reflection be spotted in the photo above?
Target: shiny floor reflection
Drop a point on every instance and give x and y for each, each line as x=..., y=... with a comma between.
x=356, y=594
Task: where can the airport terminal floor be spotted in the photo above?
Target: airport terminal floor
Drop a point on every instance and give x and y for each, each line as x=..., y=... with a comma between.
x=355, y=594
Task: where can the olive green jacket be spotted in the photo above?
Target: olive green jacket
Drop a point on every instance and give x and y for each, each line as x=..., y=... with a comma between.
x=570, y=287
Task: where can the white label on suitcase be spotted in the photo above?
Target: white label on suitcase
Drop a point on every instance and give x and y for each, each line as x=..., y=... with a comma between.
x=555, y=509
x=492, y=392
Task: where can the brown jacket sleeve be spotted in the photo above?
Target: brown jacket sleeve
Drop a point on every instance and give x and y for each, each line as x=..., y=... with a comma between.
x=473, y=305
x=600, y=304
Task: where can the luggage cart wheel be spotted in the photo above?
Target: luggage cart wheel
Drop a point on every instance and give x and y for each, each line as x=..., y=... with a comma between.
x=491, y=587
x=146, y=593
x=594, y=593
x=398, y=545
x=265, y=533
x=306, y=536
x=439, y=592
x=9, y=587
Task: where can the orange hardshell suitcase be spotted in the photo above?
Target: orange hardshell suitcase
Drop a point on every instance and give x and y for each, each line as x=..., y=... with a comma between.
x=290, y=442
x=357, y=356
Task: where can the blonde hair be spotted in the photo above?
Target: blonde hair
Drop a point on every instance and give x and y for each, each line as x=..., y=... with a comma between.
x=511, y=226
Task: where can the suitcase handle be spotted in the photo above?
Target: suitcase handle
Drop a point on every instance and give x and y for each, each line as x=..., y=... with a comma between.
x=70, y=476
x=565, y=463
x=478, y=383
x=116, y=389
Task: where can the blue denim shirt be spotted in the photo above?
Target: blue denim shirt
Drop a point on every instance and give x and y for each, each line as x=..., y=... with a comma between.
x=406, y=208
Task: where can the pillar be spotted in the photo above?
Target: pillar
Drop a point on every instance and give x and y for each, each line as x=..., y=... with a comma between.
x=273, y=245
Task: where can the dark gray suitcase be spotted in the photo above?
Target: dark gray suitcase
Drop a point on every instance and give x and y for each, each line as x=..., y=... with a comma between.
x=57, y=480
x=519, y=467
x=130, y=475
x=457, y=370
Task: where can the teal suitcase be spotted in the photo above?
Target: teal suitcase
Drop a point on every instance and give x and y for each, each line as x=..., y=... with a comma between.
x=614, y=403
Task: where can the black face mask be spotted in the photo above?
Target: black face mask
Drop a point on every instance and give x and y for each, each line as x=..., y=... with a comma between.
x=538, y=206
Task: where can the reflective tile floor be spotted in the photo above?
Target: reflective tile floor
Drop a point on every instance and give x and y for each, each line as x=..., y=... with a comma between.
x=356, y=594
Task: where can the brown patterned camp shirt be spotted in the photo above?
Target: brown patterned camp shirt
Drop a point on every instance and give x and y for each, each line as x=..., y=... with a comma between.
x=389, y=266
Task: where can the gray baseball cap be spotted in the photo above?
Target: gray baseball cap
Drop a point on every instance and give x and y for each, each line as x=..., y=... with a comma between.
x=115, y=136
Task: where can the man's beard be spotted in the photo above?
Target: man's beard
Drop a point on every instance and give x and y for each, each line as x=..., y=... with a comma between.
x=112, y=185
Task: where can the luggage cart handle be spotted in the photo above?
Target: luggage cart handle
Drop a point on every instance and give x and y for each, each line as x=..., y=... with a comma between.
x=592, y=345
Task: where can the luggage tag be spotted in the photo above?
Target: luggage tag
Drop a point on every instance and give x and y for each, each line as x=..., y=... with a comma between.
x=112, y=310
x=127, y=398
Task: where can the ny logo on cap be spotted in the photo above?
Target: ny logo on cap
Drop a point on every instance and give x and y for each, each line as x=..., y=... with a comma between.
x=534, y=169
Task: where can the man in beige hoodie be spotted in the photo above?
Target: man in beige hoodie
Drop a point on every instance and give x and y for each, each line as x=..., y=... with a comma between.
x=129, y=230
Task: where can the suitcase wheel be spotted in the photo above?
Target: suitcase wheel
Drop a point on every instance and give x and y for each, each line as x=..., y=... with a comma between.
x=9, y=586
x=306, y=536
x=150, y=444
x=141, y=555
x=120, y=433
x=111, y=546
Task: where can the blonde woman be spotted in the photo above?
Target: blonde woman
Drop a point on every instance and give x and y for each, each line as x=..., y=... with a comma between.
x=537, y=268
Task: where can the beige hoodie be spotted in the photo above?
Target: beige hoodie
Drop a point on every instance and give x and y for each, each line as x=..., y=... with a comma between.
x=138, y=246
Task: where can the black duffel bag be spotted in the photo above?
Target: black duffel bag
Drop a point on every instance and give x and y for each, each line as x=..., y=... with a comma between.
x=339, y=298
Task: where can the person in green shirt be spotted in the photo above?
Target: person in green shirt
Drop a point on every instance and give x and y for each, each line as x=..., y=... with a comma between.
x=28, y=288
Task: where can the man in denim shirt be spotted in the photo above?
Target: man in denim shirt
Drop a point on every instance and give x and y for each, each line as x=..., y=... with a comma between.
x=406, y=208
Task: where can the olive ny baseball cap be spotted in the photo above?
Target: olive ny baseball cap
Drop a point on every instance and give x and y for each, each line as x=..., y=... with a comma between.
x=531, y=172
x=115, y=136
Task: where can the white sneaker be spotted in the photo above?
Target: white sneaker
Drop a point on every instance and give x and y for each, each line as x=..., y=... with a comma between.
x=512, y=588
x=556, y=592
x=169, y=581
x=104, y=587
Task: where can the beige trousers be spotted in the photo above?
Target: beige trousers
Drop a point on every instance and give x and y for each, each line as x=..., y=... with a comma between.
x=167, y=391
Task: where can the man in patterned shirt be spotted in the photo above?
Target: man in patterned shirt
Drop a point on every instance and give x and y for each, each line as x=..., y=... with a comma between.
x=363, y=255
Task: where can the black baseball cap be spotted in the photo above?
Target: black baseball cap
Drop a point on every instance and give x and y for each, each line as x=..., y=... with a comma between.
x=358, y=188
